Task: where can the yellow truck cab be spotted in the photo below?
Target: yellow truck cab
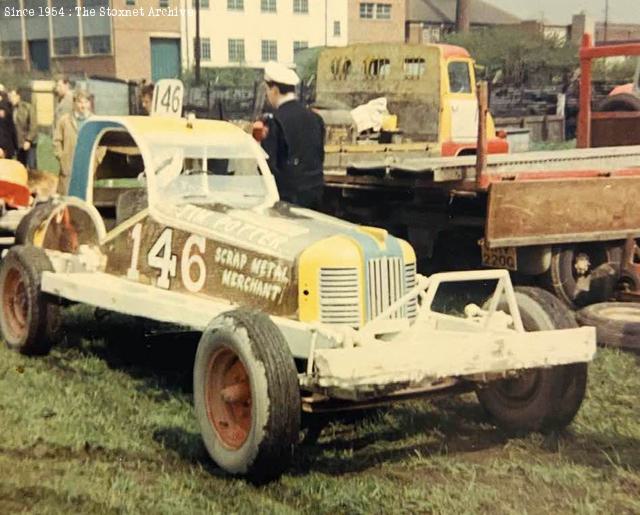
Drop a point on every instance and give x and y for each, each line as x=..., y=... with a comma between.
x=431, y=89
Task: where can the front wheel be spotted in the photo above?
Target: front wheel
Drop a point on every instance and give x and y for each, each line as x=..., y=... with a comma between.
x=246, y=395
x=540, y=399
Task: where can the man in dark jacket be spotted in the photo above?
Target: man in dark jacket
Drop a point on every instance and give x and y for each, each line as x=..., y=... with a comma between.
x=24, y=119
x=7, y=128
x=294, y=141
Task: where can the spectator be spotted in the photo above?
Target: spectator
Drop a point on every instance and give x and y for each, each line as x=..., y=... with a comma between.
x=24, y=118
x=65, y=99
x=66, y=135
x=146, y=97
x=7, y=127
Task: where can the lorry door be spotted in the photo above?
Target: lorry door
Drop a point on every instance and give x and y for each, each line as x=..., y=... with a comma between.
x=462, y=102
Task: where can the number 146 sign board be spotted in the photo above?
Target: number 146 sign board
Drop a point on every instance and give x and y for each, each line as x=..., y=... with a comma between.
x=167, y=98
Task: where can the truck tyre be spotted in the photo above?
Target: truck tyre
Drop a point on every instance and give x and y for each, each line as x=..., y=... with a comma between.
x=620, y=102
x=571, y=264
x=246, y=395
x=617, y=323
x=28, y=320
x=541, y=399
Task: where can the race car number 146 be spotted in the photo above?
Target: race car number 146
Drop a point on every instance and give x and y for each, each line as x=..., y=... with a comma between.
x=167, y=98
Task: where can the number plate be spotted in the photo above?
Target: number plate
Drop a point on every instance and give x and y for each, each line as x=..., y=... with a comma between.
x=504, y=257
x=167, y=98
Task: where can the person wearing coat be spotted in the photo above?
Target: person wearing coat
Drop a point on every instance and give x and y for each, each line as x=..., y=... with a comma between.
x=66, y=135
x=24, y=118
x=294, y=140
x=7, y=127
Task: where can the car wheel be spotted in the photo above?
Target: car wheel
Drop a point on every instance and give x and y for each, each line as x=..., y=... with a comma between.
x=30, y=230
x=539, y=399
x=617, y=323
x=28, y=320
x=246, y=395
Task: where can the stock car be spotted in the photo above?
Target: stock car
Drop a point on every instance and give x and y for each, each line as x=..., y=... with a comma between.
x=299, y=312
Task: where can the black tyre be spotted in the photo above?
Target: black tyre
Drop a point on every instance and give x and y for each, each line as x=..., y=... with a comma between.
x=617, y=323
x=620, y=102
x=28, y=320
x=29, y=231
x=540, y=399
x=246, y=395
x=583, y=274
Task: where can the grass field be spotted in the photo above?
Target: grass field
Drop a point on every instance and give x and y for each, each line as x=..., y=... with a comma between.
x=97, y=428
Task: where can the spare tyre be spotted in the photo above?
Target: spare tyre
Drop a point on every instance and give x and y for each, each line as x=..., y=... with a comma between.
x=620, y=102
x=617, y=323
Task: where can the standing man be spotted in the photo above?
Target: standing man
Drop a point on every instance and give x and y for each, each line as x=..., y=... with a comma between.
x=24, y=118
x=66, y=135
x=64, y=94
x=7, y=127
x=294, y=141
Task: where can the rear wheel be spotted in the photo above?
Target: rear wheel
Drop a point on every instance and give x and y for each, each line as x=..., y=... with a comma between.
x=583, y=274
x=539, y=399
x=28, y=320
x=246, y=395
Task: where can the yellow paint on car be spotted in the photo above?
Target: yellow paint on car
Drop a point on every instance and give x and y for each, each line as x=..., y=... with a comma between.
x=335, y=252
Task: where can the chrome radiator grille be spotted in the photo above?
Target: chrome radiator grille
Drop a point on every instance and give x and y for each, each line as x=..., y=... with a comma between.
x=340, y=296
x=410, y=284
x=385, y=280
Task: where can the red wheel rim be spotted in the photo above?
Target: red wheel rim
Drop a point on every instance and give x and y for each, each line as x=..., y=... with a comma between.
x=14, y=303
x=228, y=397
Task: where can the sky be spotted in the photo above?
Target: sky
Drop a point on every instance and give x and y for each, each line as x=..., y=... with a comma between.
x=560, y=11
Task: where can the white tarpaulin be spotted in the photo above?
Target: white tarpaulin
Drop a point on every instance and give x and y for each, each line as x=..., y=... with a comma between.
x=369, y=116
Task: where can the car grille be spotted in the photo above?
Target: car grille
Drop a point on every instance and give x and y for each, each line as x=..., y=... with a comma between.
x=410, y=284
x=340, y=296
x=385, y=282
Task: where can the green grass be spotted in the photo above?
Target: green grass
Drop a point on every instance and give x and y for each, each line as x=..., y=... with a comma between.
x=97, y=428
x=45, y=158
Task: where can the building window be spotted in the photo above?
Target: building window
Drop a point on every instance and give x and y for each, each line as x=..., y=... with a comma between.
x=204, y=4
x=131, y=2
x=235, y=5
x=336, y=28
x=10, y=32
x=366, y=10
x=269, y=50
x=383, y=11
x=66, y=30
x=299, y=45
x=96, y=30
x=163, y=3
x=236, y=50
x=301, y=6
x=370, y=11
x=268, y=6
x=205, y=48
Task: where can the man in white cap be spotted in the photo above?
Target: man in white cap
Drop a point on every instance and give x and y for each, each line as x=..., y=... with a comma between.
x=294, y=141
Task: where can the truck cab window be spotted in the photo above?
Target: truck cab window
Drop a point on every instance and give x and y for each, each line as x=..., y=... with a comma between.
x=459, y=78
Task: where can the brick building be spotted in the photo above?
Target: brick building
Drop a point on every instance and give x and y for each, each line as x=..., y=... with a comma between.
x=127, y=39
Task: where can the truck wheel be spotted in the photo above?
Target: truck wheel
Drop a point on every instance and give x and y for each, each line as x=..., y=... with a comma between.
x=246, y=395
x=620, y=102
x=28, y=321
x=583, y=274
x=617, y=323
x=540, y=399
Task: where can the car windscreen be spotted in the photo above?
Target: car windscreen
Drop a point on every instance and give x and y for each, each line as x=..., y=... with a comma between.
x=208, y=174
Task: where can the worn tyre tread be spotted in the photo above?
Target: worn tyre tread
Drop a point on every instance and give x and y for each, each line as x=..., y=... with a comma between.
x=281, y=431
x=610, y=332
x=31, y=222
x=45, y=316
